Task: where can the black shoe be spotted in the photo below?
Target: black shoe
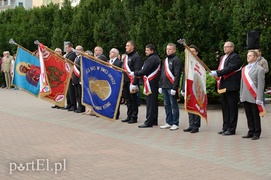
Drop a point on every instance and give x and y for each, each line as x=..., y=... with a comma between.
x=228, y=133
x=125, y=120
x=72, y=109
x=194, y=131
x=144, y=126
x=78, y=111
x=187, y=130
x=221, y=132
x=132, y=121
x=55, y=106
x=247, y=136
x=66, y=108
x=255, y=138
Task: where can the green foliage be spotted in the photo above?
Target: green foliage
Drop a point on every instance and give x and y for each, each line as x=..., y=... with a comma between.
x=111, y=23
x=213, y=96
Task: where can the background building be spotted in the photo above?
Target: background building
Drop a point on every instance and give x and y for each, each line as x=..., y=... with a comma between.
x=38, y=3
x=9, y=4
x=27, y=4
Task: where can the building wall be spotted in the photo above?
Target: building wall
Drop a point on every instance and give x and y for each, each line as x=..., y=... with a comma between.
x=8, y=4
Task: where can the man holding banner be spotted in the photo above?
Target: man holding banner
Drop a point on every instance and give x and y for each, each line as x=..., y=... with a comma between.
x=194, y=119
x=228, y=84
x=76, y=80
x=71, y=97
x=251, y=94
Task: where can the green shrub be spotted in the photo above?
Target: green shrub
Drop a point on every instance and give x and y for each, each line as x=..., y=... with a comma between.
x=212, y=94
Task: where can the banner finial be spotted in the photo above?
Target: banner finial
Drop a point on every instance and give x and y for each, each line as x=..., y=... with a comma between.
x=11, y=41
x=181, y=41
x=36, y=42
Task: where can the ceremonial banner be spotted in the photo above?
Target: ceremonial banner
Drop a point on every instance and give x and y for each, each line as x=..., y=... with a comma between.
x=27, y=72
x=102, y=88
x=59, y=75
x=44, y=84
x=195, y=86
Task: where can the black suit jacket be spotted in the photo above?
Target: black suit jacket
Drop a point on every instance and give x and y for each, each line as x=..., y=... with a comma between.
x=118, y=63
x=149, y=66
x=102, y=57
x=232, y=63
x=75, y=79
x=71, y=56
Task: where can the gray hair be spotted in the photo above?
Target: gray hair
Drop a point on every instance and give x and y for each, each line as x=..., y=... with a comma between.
x=115, y=50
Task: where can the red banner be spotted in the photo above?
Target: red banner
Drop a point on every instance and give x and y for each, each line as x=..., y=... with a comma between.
x=58, y=74
x=195, y=87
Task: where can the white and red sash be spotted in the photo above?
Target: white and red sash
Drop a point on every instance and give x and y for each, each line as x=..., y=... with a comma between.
x=168, y=72
x=220, y=67
x=147, y=79
x=252, y=89
x=127, y=69
x=76, y=71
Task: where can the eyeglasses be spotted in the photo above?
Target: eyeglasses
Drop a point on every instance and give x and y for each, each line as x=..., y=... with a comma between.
x=227, y=46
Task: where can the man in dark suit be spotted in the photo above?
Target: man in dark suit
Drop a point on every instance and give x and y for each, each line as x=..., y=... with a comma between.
x=150, y=73
x=114, y=60
x=98, y=53
x=131, y=62
x=76, y=80
x=229, y=74
x=71, y=98
x=251, y=94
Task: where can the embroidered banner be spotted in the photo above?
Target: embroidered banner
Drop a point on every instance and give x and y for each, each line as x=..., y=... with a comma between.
x=27, y=72
x=102, y=88
x=44, y=84
x=59, y=75
x=195, y=86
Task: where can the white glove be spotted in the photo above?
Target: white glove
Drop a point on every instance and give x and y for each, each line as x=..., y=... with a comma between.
x=213, y=73
x=259, y=102
x=160, y=90
x=172, y=92
x=182, y=93
x=132, y=74
x=133, y=88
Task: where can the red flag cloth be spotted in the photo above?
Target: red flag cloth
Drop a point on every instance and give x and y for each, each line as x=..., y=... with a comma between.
x=58, y=73
x=195, y=86
x=44, y=84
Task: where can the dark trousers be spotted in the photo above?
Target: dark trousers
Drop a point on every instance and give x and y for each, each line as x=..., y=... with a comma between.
x=4, y=80
x=152, y=107
x=194, y=121
x=131, y=101
x=71, y=98
x=229, y=101
x=253, y=119
x=78, y=93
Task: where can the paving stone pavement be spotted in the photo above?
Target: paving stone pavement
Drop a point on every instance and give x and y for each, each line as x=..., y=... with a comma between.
x=38, y=142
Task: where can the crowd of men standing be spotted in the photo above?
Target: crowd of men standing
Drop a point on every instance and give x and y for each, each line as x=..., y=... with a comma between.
x=235, y=83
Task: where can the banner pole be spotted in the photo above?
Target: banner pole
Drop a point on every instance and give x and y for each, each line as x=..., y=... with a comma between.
x=11, y=41
x=183, y=42
x=101, y=61
x=53, y=52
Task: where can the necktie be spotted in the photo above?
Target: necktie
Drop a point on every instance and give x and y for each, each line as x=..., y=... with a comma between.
x=111, y=61
x=249, y=67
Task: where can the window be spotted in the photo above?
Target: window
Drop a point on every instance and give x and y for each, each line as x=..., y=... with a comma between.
x=21, y=4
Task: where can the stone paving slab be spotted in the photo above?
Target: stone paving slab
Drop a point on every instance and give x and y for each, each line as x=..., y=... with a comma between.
x=87, y=147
